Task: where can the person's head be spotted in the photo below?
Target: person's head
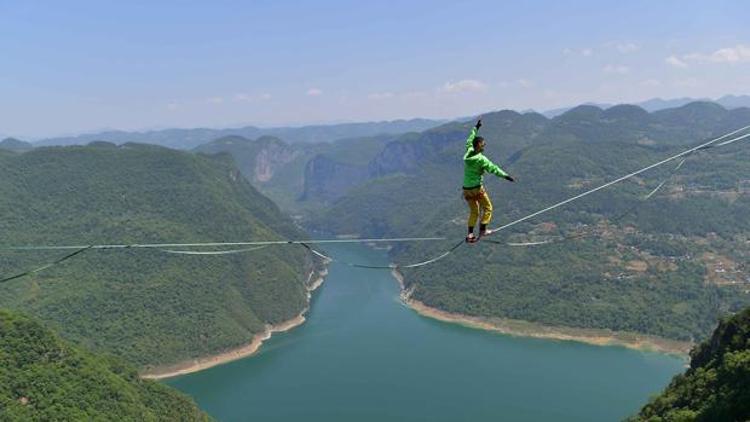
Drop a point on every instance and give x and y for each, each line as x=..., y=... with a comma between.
x=478, y=144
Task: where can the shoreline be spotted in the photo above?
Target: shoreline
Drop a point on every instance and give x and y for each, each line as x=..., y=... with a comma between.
x=520, y=328
x=194, y=365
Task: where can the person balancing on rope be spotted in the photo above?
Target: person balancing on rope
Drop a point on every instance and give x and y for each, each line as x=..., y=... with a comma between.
x=475, y=164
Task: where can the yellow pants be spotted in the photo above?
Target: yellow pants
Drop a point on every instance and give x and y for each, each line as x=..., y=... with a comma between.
x=477, y=198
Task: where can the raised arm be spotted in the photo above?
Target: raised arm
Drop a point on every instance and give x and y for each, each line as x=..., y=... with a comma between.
x=472, y=135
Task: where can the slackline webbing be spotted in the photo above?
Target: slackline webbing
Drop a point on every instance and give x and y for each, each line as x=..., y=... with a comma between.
x=228, y=252
x=384, y=267
x=218, y=244
x=44, y=267
x=161, y=247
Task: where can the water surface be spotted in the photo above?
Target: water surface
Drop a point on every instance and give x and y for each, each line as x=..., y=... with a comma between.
x=363, y=356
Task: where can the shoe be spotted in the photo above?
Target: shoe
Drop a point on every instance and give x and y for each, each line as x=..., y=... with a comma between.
x=483, y=233
x=470, y=238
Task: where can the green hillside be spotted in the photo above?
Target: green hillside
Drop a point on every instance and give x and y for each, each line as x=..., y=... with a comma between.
x=43, y=377
x=149, y=307
x=669, y=266
x=716, y=387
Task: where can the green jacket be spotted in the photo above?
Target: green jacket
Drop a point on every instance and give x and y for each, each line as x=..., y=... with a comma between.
x=475, y=164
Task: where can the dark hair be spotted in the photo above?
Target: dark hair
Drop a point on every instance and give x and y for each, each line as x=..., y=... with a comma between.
x=476, y=141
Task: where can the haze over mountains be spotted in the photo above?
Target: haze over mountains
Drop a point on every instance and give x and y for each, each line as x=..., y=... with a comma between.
x=191, y=138
x=12, y=144
x=654, y=104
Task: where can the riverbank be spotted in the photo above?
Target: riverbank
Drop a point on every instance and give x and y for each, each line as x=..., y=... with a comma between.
x=599, y=337
x=199, y=364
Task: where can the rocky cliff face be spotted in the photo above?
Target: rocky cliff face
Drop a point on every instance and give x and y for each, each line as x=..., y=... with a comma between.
x=328, y=180
x=273, y=154
x=506, y=132
x=400, y=156
x=258, y=160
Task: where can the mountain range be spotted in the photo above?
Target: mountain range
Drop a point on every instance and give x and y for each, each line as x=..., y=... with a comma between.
x=191, y=138
x=655, y=104
x=12, y=144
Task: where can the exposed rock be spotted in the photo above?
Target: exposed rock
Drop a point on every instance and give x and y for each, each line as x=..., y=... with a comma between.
x=328, y=179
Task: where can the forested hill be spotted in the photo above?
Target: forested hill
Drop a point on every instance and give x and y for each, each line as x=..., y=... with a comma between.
x=148, y=306
x=669, y=266
x=12, y=144
x=43, y=377
x=716, y=387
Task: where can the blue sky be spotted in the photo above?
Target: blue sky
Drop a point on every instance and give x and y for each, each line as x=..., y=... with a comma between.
x=75, y=66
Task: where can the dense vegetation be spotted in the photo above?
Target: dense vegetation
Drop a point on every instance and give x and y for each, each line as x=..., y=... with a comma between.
x=716, y=387
x=43, y=377
x=669, y=266
x=147, y=306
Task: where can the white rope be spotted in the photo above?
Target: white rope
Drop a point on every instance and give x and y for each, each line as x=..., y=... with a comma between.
x=389, y=266
x=542, y=242
x=187, y=245
x=650, y=194
x=728, y=142
x=679, y=166
x=229, y=252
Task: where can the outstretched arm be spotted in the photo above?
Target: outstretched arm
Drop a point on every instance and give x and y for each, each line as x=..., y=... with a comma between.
x=493, y=168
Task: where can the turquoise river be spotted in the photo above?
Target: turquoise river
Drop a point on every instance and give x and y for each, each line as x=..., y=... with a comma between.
x=364, y=356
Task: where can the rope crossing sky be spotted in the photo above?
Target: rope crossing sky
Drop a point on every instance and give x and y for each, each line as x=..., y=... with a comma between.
x=78, y=249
